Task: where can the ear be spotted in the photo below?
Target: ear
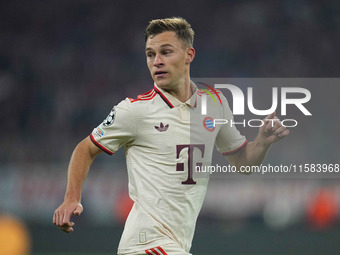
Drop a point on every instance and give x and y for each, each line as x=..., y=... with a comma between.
x=190, y=55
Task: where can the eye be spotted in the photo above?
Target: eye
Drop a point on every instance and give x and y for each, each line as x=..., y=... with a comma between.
x=167, y=52
x=150, y=54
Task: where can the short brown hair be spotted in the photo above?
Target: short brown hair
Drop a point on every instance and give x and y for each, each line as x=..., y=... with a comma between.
x=176, y=24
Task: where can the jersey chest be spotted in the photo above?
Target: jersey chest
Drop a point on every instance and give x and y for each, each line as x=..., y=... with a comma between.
x=166, y=128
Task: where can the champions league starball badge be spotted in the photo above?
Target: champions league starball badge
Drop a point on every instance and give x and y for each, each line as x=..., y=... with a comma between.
x=110, y=118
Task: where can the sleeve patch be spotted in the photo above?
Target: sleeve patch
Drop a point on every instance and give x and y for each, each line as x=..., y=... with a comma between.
x=110, y=118
x=100, y=132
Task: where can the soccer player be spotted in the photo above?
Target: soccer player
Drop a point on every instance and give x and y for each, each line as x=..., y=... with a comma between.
x=165, y=137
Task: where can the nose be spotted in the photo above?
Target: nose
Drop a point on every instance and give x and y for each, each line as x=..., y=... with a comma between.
x=158, y=61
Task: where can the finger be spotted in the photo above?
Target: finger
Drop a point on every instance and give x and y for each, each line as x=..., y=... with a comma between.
x=78, y=210
x=69, y=230
x=66, y=217
x=61, y=217
x=67, y=226
x=271, y=116
x=66, y=229
x=277, y=125
x=70, y=227
x=55, y=218
x=279, y=130
x=269, y=125
x=283, y=134
x=58, y=223
x=273, y=124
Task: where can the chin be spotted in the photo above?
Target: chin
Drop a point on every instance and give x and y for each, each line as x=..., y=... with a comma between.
x=162, y=84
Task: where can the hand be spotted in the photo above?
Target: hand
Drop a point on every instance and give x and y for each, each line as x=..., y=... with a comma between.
x=62, y=215
x=272, y=130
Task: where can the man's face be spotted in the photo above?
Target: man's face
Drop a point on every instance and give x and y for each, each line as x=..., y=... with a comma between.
x=168, y=59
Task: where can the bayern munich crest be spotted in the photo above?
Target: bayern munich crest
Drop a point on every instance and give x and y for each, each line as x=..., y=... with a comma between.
x=110, y=118
x=208, y=123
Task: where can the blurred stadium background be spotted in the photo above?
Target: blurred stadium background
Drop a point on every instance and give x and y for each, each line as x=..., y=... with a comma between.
x=64, y=64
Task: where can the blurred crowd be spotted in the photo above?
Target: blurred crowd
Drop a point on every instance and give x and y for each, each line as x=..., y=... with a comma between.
x=64, y=64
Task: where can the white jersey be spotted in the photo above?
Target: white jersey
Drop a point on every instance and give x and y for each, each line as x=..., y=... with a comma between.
x=164, y=141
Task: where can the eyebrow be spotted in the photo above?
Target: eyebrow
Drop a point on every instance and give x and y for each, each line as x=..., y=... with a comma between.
x=162, y=46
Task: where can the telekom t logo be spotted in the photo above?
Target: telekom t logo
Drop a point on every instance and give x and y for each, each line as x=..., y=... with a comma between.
x=238, y=100
x=180, y=166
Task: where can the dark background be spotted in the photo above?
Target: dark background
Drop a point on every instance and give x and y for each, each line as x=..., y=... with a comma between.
x=64, y=64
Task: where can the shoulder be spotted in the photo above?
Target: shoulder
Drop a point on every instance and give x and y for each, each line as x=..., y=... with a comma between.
x=144, y=97
x=128, y=104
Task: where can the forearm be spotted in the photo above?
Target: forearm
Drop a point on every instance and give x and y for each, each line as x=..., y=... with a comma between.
x=81, y=160
x=253, y=154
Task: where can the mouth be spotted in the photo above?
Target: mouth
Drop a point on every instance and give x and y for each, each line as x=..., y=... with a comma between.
x=160, y=74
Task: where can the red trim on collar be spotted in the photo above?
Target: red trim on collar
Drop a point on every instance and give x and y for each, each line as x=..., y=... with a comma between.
x=163, y=97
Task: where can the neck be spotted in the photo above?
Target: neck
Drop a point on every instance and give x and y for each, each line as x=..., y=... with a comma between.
x=183, y=91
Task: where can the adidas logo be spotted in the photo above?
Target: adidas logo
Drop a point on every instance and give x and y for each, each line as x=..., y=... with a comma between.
x=162, y=128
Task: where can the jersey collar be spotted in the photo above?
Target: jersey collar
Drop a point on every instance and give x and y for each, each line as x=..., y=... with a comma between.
x=172, y=102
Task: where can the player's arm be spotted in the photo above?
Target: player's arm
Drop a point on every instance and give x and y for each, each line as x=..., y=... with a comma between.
x=81, y=160
x=255, y=152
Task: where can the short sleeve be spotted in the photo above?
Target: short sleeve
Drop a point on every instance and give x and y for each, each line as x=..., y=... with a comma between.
x=116, y=130
x=229, y=140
